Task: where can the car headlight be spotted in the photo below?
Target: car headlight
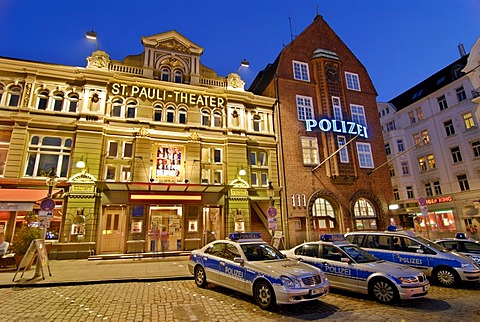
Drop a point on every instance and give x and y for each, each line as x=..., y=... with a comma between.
x=290, y=283
x=468, y=266
x=408, y=279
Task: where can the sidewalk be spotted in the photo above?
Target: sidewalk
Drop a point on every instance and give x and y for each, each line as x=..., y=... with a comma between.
x=84, y=271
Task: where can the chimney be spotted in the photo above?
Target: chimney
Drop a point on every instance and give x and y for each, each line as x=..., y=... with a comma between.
x=461, y=49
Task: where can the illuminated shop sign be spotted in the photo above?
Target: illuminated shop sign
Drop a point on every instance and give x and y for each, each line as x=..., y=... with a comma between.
x=439, y=200
x=337, y=126
x=155, y=93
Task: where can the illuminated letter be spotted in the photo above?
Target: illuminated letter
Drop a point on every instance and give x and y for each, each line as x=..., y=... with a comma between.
x=220, y=101
x=143, y=92
x=351, y=129
x=135, y=90
x=335, y=128
x=322, y=127
x=115, y=89
x=309, y=124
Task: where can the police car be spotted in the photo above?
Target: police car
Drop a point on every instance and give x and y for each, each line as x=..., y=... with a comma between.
x=463, y=245
x=407, y=248
x=247, y=264
x=351, y=268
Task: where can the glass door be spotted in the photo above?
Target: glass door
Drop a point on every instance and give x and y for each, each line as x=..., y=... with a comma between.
x=165, y=227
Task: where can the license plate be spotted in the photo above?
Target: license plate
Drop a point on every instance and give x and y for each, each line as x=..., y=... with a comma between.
x=317, y=291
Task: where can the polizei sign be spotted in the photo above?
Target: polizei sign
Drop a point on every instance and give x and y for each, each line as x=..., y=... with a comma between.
x=337, y=126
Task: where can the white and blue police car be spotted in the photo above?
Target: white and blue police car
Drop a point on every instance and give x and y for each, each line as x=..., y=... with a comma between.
x=350, y=268
x=463, y=245
x=405, y=247
x=246, y=263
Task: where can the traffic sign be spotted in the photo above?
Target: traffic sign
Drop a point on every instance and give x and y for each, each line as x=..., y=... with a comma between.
x=272, y=212
x=422, y=201
x=47, y=204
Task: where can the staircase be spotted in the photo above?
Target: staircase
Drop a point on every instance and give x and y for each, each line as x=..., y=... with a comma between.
x=258, y=225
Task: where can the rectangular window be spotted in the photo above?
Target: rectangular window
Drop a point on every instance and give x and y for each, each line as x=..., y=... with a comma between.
x=127, y=149
x=253, y=158
x=264, y=179
x=110, y=174
x=417, y=138
x=449, y=129
x=391, y=126
x=431, y=161
x=461, y=96
x=337, y=108
x=309, y=150
x=463, y=182
x=217, y=156
x=254, y=179
x=358, y=114
x=206, y=155
x=422, y=164
x=400, y=146
x=437, y=187
x=343, y=152
x=4, y=147
x=410, y=194
x=391, y=170
x=131, y=111
x=412, y=117
x=205, y=176
x=304, y=108
x=468, y=120
x=476, y=148
x=45, y=153
x=419, y=113
x=456, y=155
x=396, y=195
x=182, y=117
x=365, y=157
x=125, y=173
x=352, y=81
x=217, y=176
x=425, y=137
x=157, y=115
x=428, y=189
x=262, y=159
x=442, y=102
x=388, y=151
x=300, y=71
x=405, y=168
x=112, y=149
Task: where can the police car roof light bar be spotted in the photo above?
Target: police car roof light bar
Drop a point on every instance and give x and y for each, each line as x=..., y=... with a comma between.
x=394, y=228
x=332, y=237
x=239, y=235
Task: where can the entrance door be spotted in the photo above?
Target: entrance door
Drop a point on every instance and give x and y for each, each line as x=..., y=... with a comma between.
x=166, y=219
x=113, y=230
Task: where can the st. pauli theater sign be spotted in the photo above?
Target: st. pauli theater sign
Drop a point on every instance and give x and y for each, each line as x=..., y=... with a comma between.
x=337, y=126
x=156, y=93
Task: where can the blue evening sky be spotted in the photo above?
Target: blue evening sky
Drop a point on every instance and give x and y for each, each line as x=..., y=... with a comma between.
x=400, y=42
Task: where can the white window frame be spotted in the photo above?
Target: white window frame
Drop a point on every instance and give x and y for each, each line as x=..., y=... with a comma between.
x=125, y=173
x=341, y=140
x=254, y=179
x=337, y=108
x=221, y=156
x=118, y=105
x=304, y=108
x=217, y=176
x=310, y=153
x=41, y=154
x=109, y=147
x=358, y=114
x=352, y=81
x=300, y=71
x=73, y=99
x=365, y=156
x=124, y=145
x=110, y=167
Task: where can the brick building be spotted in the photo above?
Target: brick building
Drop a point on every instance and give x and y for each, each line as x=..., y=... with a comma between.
x=326, y=101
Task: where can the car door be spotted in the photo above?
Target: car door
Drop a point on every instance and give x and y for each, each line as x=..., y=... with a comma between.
x=470, y=249
x=342, y=274
x=233, y=273
x=378, y=245
x=211, y=262
x=411, y=253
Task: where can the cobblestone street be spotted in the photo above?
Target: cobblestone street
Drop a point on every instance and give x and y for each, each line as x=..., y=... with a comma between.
x=184, y=301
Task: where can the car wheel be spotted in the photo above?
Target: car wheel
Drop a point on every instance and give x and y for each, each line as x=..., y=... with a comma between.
x=384, y=291
x=446, y=276
x=264, y=295
x=200, y=277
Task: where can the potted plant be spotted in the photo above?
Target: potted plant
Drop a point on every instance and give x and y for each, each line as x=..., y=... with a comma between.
x=24, y=236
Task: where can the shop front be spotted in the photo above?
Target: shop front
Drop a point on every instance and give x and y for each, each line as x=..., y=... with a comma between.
x=156, y=217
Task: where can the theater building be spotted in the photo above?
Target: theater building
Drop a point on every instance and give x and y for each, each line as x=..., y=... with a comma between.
x=154, y=141
x=330, y=140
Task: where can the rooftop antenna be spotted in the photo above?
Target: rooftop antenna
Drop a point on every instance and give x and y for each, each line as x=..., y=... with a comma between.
x=291, y=33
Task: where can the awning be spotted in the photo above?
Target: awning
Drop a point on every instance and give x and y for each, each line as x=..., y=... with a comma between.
x=25, y=195
x=161, y=187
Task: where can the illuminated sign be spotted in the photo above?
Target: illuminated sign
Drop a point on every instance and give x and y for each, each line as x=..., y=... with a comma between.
x=439, y=200
x=154, y=93
x=338, y=126
x=168, y=163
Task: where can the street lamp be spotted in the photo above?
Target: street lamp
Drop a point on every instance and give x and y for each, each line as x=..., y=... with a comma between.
x=92, y=35
x=52, y=180
x=245, y=64
x=270, y=192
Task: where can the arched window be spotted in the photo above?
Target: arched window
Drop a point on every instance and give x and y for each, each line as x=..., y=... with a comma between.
x=178, y=76
x=170, y=114
x=47, y=152
x=206, y=117
x=1, y=92
x=257, y=123
x=365, y=216
x=131, y=110
x=117, y=108
x=14, y=93
x=157, y=113
x=182, y=116
x=217, y=119
x=73, y=102
x=57, y=101
x=323, y=216
x=42, y=102
x=165, y=74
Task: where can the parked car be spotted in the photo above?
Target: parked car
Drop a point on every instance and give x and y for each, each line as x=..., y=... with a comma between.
x=463, y=245
x=407, y=248
x=247, y=264
x=351, y=268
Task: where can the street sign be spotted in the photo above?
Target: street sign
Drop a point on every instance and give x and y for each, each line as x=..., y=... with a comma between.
x=47, y=204
x=45, y=214
x=43, y=223
x=424, y=210
x=422, y=201
x=272, y=212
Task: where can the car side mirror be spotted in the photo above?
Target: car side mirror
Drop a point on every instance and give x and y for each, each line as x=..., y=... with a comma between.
x=420, y=251
x=345, y=260
x=238, y=260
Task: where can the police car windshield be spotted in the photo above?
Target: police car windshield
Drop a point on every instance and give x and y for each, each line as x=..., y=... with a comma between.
x=358, y=254
x=430, y=243
x=261, y=252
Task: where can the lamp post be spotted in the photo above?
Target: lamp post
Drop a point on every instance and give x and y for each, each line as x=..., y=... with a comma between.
x=270, y=193
x=92, y=35
x=244, y=64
